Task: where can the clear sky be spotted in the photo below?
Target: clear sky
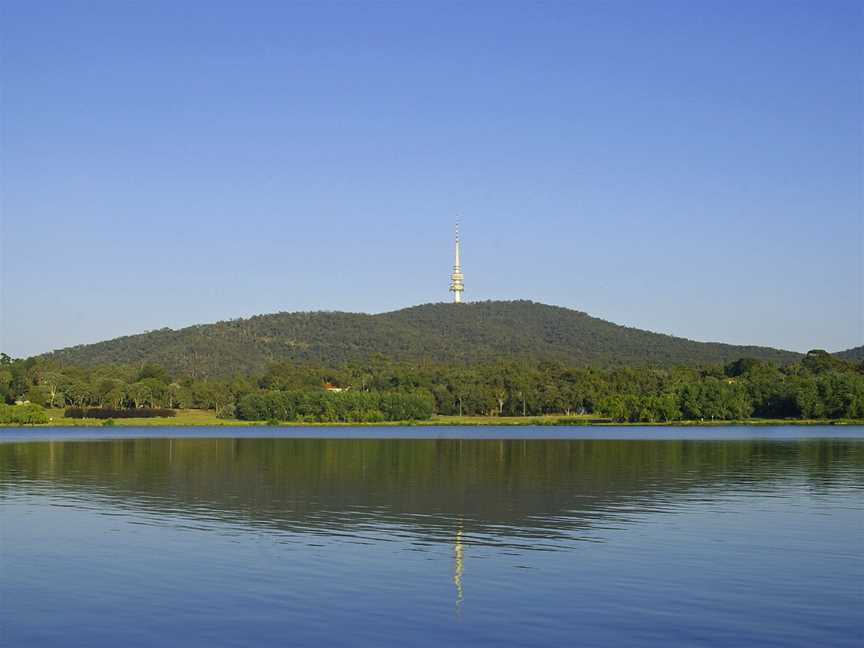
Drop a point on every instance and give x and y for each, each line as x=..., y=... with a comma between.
x=692, y=168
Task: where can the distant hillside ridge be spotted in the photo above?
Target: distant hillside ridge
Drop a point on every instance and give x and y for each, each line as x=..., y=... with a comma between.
x=855, y=354
x=468, y=333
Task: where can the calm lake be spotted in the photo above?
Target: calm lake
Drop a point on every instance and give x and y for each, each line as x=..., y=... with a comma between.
x=432, y=536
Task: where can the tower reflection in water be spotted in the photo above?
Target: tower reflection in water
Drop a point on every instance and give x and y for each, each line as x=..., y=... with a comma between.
x=458, y=568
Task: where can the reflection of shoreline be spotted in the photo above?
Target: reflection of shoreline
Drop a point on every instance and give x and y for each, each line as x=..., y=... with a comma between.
x=503, y=491
x=458, y=568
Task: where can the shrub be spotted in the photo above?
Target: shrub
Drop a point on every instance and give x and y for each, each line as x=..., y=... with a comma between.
x=407, y=406
x=108, y=413
x=29, y=414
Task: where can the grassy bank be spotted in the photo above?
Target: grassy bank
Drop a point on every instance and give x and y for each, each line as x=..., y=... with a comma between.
x=184, y=418
x=193, y=417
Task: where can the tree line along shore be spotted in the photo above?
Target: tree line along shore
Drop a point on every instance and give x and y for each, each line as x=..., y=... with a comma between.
x=818, y=388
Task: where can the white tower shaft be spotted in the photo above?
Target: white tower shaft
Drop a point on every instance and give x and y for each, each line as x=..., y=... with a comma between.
x=457, y=285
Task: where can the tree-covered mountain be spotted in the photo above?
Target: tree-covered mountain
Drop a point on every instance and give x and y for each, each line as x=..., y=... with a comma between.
x=855, y=354
x=445, y=333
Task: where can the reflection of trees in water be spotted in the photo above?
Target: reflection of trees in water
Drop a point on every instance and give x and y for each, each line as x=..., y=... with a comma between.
x=488, y=488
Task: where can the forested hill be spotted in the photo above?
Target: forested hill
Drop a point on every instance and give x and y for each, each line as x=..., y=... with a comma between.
x=855, y=354
x=447, y=333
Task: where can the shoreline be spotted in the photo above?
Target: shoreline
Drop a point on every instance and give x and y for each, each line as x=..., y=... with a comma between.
x=206, y=418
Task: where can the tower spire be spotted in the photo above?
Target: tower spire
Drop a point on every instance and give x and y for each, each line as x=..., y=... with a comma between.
x=456, y=278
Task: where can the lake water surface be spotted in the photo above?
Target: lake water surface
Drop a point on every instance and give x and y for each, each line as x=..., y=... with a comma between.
x=428, y=537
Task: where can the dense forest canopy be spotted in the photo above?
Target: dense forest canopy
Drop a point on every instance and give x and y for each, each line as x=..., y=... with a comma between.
x=486, y=358
x=818, y=386
x=455, y=334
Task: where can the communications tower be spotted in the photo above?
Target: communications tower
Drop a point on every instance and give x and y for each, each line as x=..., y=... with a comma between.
x=456, y=278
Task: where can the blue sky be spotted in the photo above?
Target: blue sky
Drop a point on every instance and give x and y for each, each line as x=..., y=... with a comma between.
x=689, y=168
